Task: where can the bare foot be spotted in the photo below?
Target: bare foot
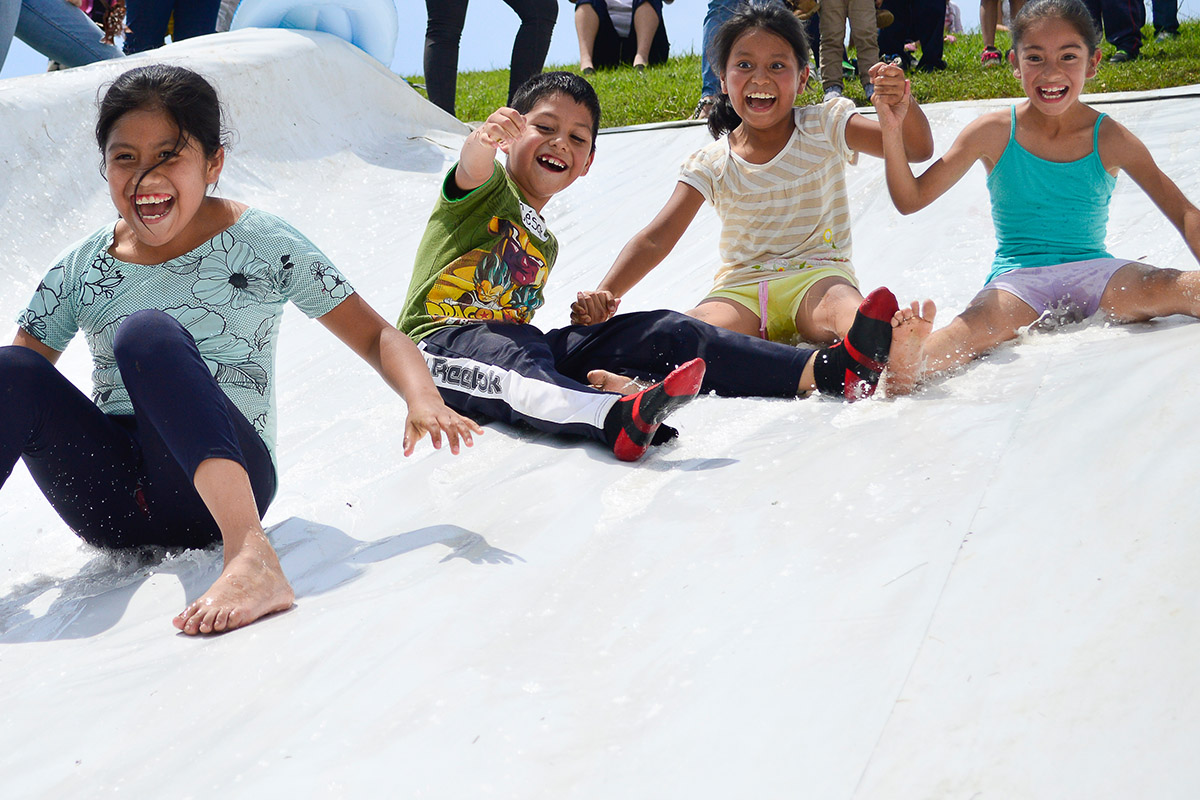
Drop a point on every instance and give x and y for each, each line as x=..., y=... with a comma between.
x=607, y=381
x=251, y=586
x=910, y=327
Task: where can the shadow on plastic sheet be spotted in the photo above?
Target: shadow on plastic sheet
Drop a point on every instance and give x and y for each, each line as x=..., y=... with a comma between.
x=316, y=558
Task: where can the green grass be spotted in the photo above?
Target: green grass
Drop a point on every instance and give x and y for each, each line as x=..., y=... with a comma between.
x=670, y=91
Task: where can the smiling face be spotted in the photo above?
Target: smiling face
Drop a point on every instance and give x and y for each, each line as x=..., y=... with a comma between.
x=762, y=78
x=157, y=180
x=554, y=149
x=1053, y=63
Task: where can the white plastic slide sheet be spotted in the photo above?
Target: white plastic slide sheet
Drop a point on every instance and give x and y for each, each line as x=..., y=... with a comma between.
x=986, y=590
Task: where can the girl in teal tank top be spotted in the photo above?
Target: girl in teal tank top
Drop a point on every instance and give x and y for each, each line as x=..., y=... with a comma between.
x=1052, y=163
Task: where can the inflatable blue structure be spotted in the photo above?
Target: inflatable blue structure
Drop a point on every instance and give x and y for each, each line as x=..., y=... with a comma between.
x=370, y=25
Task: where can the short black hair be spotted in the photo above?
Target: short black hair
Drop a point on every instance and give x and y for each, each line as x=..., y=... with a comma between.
x=568, y=84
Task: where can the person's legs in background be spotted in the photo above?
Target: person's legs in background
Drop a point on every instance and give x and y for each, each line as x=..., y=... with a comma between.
x=9, y=11
x=929, y=21
x=587, y=26
x=1166, y=20
x=833, y=37
x=195, y=18
x=646, y=19
x=57, y=30
x=532, y=42
x=442, y=34
x=147, y=21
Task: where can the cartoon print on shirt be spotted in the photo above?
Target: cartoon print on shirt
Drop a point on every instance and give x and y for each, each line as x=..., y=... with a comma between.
x=503, y=283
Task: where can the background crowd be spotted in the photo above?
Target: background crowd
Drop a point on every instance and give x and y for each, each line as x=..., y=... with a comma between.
x=610, y=33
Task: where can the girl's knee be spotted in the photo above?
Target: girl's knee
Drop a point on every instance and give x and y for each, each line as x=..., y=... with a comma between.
x=23, y=372
x=143, y=334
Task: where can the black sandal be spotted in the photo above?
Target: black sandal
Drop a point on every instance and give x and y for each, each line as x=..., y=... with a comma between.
x=704, y=107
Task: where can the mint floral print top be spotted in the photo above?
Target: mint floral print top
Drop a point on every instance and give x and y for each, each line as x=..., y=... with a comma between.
x=228, y=293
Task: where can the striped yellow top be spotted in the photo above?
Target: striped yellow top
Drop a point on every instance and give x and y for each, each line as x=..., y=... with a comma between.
x=791, y=213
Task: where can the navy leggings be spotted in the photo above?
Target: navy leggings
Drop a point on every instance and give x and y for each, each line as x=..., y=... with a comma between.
x=124, y=481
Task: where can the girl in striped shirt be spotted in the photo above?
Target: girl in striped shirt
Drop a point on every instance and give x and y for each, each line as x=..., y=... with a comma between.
x=777, y=181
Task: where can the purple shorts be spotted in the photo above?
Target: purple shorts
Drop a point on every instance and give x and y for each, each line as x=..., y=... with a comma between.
x=1067, y=292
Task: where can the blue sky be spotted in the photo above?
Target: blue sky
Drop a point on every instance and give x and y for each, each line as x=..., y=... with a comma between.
x=491, y=26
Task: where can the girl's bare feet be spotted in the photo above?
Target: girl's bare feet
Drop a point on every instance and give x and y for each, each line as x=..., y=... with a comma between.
x=910, y=327
x=251, y=586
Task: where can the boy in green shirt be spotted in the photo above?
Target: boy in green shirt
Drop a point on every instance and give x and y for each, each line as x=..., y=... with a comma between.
x=479, y=276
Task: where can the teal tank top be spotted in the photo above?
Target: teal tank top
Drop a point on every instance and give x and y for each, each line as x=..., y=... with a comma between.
x=1048, y=212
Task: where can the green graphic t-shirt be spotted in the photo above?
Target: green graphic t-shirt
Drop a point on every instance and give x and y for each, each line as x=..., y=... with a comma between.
x=485, y=257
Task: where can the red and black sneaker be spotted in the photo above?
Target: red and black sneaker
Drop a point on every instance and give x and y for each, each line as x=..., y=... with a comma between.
x=851, y=368
x=633, y=421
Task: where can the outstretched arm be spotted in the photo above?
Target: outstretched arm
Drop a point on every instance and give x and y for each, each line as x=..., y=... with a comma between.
x=1121, y=149
x=977, y=141
x=644, y=252
x=394, y=356
x=478, y=158
x=892, y=90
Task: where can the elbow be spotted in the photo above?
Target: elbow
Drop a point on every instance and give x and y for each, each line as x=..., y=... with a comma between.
x=922, y=152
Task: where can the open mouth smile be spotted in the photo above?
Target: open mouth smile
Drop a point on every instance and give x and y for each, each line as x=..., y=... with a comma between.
x=551, y=163
x=1052, y=92
x=152, y=207
x=760, y=100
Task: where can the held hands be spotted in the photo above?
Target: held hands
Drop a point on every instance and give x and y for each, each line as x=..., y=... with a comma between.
x=435, y=418
x=893, y=94
x=591, y=308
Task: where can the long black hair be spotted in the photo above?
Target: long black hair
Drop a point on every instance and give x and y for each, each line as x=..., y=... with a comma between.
x=184, y=96
x=768, y=16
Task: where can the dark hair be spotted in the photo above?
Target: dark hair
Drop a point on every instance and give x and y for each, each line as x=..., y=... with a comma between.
x=768, y=16
x=188, y=99
x=545, y=84
x=1073, y=12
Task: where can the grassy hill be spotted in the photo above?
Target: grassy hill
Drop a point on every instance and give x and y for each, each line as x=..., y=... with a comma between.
x=670, y=91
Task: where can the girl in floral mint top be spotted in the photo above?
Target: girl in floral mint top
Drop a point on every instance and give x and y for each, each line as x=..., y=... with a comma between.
x=180, y=303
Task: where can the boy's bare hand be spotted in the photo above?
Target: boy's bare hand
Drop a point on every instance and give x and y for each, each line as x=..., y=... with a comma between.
x=500, y=129
x=435, y=418
x=591, y=308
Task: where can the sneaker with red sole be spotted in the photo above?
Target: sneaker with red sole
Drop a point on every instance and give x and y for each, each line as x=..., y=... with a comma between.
x=633, y=420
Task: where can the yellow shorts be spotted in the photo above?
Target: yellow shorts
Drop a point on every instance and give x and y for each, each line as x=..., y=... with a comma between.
x=784, y=296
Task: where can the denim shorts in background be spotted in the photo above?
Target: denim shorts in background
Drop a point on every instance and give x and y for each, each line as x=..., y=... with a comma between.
x=54, y=28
